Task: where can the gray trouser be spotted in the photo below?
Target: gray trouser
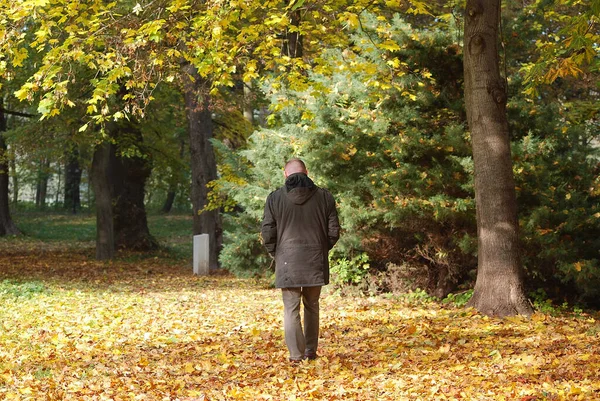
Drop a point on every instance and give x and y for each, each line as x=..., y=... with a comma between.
x=301, y=342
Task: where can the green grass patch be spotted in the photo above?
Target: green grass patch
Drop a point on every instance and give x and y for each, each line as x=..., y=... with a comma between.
x=26, y=289
x=174, y=231
x=57, y=227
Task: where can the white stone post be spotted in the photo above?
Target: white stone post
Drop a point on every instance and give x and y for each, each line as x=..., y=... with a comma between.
x=201, y=255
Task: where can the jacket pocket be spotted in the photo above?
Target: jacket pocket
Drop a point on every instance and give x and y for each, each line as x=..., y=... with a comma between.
x=302, y=264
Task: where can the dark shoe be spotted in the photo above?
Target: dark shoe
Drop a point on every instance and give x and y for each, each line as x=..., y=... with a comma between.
x=295, y=361
x=310, y=356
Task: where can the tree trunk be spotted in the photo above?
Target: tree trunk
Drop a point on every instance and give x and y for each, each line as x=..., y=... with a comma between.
x=499, y=285
x=248, y=109
x=129, y=180
x=15, y=181
x=102, y=167
x=119, y=187
x=72, y=201
x=174, y=181
x=58, y=184
x=11, y=160
x=292, y=45
x=7, y=227
x=203, y=163
x=168, y=205
x=42, y=184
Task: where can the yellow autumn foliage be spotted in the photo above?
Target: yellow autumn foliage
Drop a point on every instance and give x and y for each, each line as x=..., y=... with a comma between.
x=150, y=330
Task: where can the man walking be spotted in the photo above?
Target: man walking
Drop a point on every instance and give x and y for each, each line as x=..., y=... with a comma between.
x=300, y=225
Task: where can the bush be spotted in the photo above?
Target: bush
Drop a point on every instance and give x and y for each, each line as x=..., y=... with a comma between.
x=349, y=271
x=397, y=158
x=243, y=253
x=458, y=299
x=557, y=174
x=397, y=162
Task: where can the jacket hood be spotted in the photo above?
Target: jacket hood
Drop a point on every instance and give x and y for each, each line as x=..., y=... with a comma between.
x=299, y=188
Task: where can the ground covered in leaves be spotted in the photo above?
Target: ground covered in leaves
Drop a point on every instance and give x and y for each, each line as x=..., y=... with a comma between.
x=146, y=329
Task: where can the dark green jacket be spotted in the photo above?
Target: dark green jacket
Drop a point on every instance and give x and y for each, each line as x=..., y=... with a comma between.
x=300, y=225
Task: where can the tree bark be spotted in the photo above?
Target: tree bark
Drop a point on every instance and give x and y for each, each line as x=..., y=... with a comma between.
x=11, y=163
x=248, y=109
x=168, y=205
x=42, y=184
x=174, y=182
x=72, y=200
x=292, y=44
x=58, y=184
x=203, y=162
x=102, y=167
x=499, y=285
x=15, y=181
x=7, y=227
x=129, y=182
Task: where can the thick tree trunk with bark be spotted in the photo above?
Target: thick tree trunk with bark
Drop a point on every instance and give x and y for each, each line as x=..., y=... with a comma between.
x=102, y=166
x=72, y=200
x=129, y=182
x=204, y=166
x=119, y=186
x=7, y=226
x=499, y=286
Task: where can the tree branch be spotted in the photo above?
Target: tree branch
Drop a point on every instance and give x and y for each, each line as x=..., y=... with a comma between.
x=16, y=113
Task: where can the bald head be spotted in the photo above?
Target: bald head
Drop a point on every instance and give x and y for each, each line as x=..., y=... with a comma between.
x=295, y=166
